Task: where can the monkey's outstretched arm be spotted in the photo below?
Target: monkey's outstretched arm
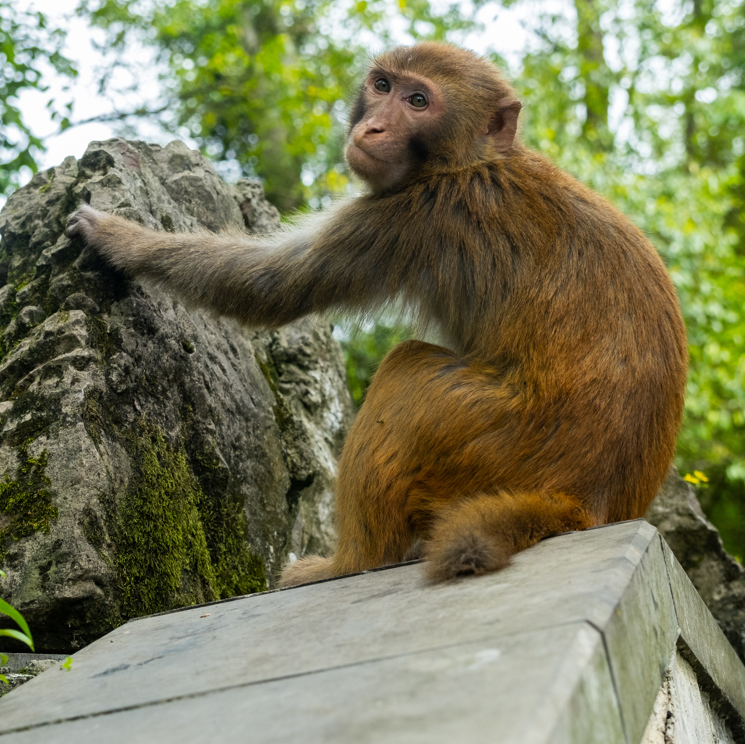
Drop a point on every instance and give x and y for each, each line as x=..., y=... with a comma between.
x=265, y=281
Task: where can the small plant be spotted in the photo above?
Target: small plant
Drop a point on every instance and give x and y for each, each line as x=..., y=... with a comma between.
x=697, y=478
x=23, y=635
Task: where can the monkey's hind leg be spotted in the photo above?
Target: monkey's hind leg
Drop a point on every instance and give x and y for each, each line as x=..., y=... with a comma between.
x=306, y=570
x=480, y=534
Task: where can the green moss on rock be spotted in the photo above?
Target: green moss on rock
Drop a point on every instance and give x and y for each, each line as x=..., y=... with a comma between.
x=237, y=570
x=282, y=413
x=34, y=414
x=101, y=338
x=48, y=185
x=25, y=501
x=176, y=545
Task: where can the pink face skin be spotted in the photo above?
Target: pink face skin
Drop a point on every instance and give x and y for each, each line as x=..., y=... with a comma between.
x=397, y=108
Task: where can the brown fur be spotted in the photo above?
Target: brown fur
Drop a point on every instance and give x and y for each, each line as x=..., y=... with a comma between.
x=557, y=402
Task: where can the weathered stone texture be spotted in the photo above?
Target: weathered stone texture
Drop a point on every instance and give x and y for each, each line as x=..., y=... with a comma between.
x=151, y=456
x=718, y=577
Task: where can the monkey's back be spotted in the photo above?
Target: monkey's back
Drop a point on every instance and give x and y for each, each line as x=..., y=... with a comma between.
x=574, y=309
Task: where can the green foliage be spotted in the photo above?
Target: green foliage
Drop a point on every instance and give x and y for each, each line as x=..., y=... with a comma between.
x=27, y=45
x=723, y=500
x=364, y=348
x=23, y=635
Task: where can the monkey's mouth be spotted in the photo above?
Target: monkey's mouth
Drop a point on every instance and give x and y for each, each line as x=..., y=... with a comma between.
x=364, y=151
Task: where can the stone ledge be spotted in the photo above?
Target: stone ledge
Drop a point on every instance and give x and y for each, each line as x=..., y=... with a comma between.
x=571, y=644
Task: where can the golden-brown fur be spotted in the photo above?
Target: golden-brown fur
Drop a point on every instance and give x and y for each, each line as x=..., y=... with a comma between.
x=556, y=403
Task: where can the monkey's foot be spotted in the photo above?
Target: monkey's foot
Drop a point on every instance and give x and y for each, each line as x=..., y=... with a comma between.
x=306, y=570
x=464, y=554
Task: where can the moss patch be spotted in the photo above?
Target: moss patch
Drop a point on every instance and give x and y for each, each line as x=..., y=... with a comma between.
x=237, y=570
x=34, y=415
x=25, y=501
x=176, y=545
x=48, y=184
x=282, y=413
x=100, y=336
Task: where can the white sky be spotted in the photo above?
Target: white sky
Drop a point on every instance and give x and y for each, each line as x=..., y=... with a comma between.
x=503, y=32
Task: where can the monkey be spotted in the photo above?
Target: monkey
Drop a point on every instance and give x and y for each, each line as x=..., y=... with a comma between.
x=552, y=403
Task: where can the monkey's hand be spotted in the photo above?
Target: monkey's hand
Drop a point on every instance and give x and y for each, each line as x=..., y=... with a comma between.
x=84, y=223
x=123, y=243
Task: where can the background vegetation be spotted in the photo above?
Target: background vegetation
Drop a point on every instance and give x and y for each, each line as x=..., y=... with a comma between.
x=645, y=101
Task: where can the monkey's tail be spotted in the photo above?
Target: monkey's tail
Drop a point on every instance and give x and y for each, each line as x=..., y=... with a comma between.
x=480, y=534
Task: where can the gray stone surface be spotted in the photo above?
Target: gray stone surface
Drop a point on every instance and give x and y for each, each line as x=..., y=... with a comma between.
x=641, y=634
x=463, y=693
x=20, y=668
x=536, y=653
x=683, y=713
x=717, y=576
x=151, y=456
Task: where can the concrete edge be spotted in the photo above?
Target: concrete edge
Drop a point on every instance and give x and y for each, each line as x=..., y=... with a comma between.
x=592, y=711
x=704, y=646
x=659, y=614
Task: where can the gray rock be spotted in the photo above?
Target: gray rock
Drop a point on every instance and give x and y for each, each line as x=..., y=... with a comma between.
x=151, y=456
x=21, y=668
x=718, y=577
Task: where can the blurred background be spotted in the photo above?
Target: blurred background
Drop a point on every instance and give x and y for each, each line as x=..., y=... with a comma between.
x=642, y=100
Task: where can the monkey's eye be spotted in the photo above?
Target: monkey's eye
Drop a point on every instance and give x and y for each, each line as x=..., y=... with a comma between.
x=418, y=100
x=382, y=85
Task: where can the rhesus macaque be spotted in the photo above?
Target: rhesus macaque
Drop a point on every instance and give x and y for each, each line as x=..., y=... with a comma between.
x=553, y=404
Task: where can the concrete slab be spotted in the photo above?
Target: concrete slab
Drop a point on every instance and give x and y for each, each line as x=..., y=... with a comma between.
x=569, y=645
x=464, y=693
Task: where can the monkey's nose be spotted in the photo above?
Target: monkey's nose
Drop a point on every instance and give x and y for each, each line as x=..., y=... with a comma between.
x=374, y=127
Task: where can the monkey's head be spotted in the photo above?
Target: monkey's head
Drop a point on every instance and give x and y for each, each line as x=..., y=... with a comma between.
x=428, y=104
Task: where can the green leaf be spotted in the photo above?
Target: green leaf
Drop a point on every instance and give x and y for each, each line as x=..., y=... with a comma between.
x=18, y=636
x=11, y=612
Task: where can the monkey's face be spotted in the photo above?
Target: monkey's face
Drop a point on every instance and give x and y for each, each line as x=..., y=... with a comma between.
x=392, y=124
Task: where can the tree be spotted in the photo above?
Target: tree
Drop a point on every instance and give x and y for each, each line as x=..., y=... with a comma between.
x=26, y=46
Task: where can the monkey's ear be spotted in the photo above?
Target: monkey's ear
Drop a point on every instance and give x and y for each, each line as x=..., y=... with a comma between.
x=503, y=126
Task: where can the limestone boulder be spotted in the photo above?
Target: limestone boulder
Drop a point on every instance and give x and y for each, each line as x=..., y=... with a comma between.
x=151, y=456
